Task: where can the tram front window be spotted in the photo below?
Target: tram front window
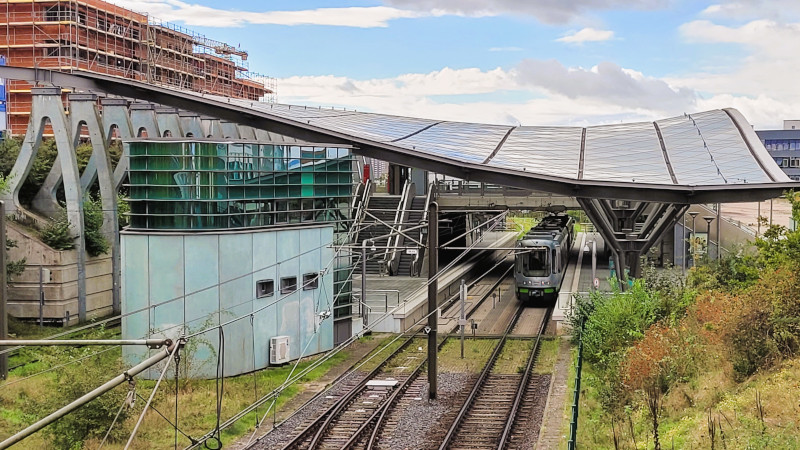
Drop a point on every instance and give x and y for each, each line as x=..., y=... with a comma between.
x=535, y=263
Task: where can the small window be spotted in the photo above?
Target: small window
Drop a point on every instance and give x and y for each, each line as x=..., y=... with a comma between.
x=310, y=281
x=288, y=285
x=265, y=288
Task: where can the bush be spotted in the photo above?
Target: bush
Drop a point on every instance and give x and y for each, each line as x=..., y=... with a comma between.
x=96, y=242
x=72, y=381
x=57, y=233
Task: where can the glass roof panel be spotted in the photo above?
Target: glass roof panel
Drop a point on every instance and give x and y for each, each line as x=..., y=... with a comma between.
x=467, y=142
x=627, y=152
x=546, y=150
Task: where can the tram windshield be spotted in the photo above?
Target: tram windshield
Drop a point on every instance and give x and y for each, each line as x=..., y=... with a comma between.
x=534, y=263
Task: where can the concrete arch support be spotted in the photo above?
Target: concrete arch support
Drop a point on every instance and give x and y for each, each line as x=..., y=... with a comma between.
x=116, y=115
x=47, y=107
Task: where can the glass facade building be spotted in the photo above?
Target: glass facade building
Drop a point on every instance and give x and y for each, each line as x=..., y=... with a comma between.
x=234, y=228
x=208, y=185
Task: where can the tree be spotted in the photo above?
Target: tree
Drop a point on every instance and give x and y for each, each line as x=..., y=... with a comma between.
x=13, y=268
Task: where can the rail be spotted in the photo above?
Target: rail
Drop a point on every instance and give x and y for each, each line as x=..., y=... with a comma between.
x=473, y=395
x=382, y=412
x=523, y=384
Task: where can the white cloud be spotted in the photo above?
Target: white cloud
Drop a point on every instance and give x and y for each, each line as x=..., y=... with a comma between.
x=557, y=94
x=587, y=35
x=198, y=15
x=780, y=10
x=548, y=11
x=763, y=86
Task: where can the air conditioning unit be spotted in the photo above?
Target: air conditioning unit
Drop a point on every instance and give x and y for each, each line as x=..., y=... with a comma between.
x=279, y=350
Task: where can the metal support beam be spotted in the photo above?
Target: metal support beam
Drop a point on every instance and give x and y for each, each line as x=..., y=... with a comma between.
x=105, y=387
x=3, y=293
x=433, y=293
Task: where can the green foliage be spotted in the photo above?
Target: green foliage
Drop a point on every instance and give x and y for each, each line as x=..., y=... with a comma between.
x=734, y=272
x=72, y=381
x=779, y=244
x=96, y=242
x=671, y=292
x=13, y=268
x=57, y=233
x=45, y=156
x=123, y=209
x=613, y=322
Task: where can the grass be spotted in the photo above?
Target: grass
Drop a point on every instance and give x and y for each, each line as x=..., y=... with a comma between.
x=476, y=353
x=196, y=401
x=689, y=407
x=548, y=353
x=513, y=357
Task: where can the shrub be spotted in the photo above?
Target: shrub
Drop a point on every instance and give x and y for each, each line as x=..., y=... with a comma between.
x=96, y=242
x=72, y=381
x=56, y=233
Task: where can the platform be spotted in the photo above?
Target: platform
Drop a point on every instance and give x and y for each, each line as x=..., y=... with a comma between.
x=396, y=303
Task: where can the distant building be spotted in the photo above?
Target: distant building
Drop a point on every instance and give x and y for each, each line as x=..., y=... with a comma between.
x=96, y=36
x=784, y=147
x=378, y=168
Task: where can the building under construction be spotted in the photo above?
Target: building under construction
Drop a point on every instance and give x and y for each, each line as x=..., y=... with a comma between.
x=96, y=36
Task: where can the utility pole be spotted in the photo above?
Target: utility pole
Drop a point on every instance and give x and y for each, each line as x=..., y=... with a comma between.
x=3, y=293
x=433, y=291
x=462, y=321
x=362, y=304
x=694, y=250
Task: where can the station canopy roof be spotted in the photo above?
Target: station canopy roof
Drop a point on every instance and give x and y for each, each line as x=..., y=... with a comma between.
x=705, y=157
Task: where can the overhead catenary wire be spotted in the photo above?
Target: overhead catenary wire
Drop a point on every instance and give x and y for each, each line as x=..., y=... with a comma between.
x=171, y=356
x=289, y=381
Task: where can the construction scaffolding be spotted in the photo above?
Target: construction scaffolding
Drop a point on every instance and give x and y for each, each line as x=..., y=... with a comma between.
x=96, y=36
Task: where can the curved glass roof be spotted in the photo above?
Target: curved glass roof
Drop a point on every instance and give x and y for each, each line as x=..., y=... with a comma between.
x=712, y=156
x=703, y=149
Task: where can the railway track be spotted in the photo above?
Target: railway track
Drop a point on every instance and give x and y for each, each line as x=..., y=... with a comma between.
x=487, y=417
x=354, y=419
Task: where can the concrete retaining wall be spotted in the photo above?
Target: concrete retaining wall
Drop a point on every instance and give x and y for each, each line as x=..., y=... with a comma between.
x=60, y=281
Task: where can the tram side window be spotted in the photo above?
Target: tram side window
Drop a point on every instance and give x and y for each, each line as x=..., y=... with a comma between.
x=556, y=267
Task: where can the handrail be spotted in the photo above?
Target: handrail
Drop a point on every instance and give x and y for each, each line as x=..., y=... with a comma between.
x=576, y=394
x=415, y=269
x=390, y=257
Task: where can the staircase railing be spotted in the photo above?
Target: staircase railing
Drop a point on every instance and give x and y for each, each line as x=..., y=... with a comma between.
x=360, y=205
x=392, y=256
x=416, y=264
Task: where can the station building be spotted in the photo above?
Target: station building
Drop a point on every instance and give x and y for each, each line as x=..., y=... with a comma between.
x=239, y=234
x=784, y=147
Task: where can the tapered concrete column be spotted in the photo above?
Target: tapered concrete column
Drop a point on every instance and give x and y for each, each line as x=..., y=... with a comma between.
x=190, y=124
x=116, y=115
x=168, y=122
x=83, y=110
x=229, y=130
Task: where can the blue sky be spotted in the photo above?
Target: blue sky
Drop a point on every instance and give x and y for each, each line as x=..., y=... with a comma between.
x=533, y=62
